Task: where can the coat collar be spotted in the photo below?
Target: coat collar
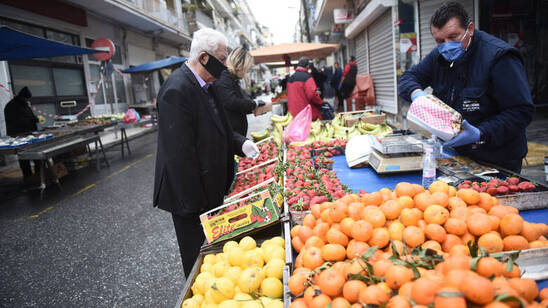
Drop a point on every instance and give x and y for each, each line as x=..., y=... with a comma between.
x=216, y=119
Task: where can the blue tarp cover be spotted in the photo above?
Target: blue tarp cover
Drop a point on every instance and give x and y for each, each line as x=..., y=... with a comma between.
x=155, y=65
x=18, y=45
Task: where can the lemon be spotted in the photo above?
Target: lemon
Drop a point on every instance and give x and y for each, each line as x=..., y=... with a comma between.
x=274, y=268
x=233, y=273
x=206, y=267
x=200, y=283
x=220, y=268
x=250, y=280
x=276, y=303
x=267, y=243
x=236, y=257
x=221, y=290
x=222, y=257
x=265, y=301
x=252, y=304
x=254, y=258
x=242, y=297
x=248, y=243
x=209, y=303
x=199, y=298
x=229, y=245
x=276, y=252
x=190, y=303
x=237, y=289
x=229, y=304
x=272, y=287
x=210, y=259
x=278, y=240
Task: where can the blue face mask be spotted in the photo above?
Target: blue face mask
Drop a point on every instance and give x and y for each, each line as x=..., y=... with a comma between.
x=452, y=51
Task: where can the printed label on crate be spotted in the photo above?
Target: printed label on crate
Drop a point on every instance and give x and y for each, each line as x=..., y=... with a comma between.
x=240, y=216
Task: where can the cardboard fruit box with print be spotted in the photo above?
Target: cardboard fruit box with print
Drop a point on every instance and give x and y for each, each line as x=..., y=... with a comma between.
x=240, y=216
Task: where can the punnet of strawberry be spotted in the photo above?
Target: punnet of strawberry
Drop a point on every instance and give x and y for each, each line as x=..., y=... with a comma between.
x=497, y=186
x=268, y=151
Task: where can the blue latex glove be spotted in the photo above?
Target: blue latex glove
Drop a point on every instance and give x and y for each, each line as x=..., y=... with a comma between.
x=417, y=93
x=340, y=86
x=469, y=134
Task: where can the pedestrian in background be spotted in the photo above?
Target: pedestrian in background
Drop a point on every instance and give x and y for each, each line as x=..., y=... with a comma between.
x=235, y=101
x=335, y=83
x=349, y=78
x=196, y=145
x=302, y=91
x=319, y=78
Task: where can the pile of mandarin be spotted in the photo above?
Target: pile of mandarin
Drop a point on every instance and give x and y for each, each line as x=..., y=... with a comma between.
x=411, y=247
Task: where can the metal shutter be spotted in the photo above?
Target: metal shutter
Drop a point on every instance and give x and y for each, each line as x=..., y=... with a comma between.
x=426, y=10
x=381, y=61
x=361, y=53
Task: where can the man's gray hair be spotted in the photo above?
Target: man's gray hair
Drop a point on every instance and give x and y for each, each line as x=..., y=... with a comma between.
x=207, y=40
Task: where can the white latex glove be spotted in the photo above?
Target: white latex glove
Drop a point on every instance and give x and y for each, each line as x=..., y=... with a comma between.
x=250, y=149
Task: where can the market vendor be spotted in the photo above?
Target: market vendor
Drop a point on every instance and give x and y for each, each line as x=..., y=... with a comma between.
x=302, y=91
x=20, y=120
x=196, y=145
x=481, y=77
x=236, y=102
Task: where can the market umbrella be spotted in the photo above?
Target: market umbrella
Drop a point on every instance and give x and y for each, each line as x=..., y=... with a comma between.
x=276, y=53
x=19, y=45
x=155, y=65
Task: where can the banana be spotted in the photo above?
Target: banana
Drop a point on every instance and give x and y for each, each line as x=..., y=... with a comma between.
x=260, y=135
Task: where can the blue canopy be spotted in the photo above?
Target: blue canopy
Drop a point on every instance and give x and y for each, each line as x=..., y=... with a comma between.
x=155, y=65
x=18, y=45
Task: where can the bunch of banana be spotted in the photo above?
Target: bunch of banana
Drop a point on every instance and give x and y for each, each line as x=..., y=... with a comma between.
x=282, y=120
x=260, y=135
x=379, y=130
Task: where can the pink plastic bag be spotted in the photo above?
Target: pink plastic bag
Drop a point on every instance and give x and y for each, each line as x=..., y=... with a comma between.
x=131, y=116
x=299, y=129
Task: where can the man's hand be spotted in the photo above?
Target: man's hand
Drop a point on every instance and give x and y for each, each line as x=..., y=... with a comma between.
x=469, y=134
x=416, y=94
x=250, y=149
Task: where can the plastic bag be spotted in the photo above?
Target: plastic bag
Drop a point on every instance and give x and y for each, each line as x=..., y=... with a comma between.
x=299, y=129
x=131, y=116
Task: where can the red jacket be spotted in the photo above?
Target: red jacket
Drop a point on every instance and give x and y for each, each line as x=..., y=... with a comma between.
x=301, y=91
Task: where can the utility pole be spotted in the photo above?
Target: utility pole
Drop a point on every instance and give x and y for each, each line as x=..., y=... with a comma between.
x=307, y=27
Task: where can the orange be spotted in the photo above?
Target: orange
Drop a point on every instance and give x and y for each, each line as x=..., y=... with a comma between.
x=495, y=222
x=374, y=198
x=467, y=237
x=413, y=236
x=374, y=216
x=356, y=248
x=391, y=209
x=456, y=226
x=410, y=217
x=380, y=238
x=455, y=262
x=502, y=210
x=333, y=252
x=298, y=303
x=397, y=275
x=361, y=231
x=424, y=291
x=511, y=224
x=331, y=282
x=399, y=247
x=418, y=188
x=514, y=273
x=295, y=230
x=439, y=186
x=406, y=202
x=352, y=288
x=404, y=189
x=346, y=226
x=338, y=212
x=297, y=283
x=431, y=244
x=526, y=287
x=316, y=210
x=491, y=242
x=489, y=266
x=543, y=294
x=436, y=214
x=451, y=241
x=452, y=191
x=310, y=293
x=455, y=202
x=455, y=277
x=297, y=244
x=396, y=230
x=309, y=220
x=440, y=198
x=398, y=301
x=449, y=296
x=478, y=224
x=529, y=231
x=460, y=213
x=423, y=200
x=355, y=210
x=319, y=301
x=340, y=302
x=312, y=257
x=405, y=289
x=304, y=233
x=314, y=241
x=478, y=289
x=380, y=267
x=374, y=295
x=435, y=232
x=335, y=236
x=469, y=196
x=515, y=242
x=486, y=201
x=459, y=250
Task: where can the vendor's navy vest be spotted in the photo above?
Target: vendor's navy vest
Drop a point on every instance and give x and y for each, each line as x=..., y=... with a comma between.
x=465, y=87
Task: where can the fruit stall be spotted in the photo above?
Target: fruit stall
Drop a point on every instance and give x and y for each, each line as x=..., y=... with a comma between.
x=318, y=233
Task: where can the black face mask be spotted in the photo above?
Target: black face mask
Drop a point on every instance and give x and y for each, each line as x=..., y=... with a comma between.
x=214, y=66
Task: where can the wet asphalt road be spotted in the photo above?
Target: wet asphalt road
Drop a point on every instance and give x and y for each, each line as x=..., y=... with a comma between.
x=97, y=243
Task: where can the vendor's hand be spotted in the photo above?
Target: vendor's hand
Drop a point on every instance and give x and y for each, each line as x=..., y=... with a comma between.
x=250, y=149
x=469, y=134
x=416, y=94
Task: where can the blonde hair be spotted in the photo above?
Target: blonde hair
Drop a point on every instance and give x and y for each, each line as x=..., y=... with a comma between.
x=239, y=61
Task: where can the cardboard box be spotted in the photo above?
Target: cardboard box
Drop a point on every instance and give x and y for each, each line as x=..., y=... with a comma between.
x=374, y=118
x=262, y=109
x=349, y=121
x=240, y=216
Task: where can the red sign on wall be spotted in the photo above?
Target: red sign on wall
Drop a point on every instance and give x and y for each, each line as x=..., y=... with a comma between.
x=106, y=45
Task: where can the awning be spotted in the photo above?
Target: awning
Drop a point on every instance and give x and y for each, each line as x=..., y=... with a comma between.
x=155, y=65
x=19, y=45
x=275, y=53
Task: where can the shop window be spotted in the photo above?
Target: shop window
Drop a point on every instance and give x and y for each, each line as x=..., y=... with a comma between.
x=407, y=53
x=95, y=75
x=120, y=88
x=69, y=82
x=37, y=78
x=22, y=27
